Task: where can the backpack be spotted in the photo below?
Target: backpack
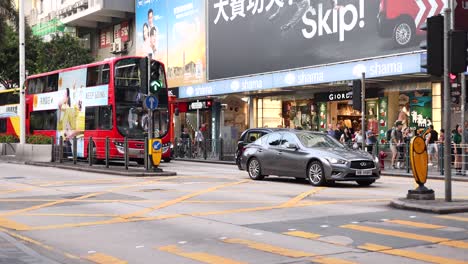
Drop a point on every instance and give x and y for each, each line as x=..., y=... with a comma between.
x=389, y=134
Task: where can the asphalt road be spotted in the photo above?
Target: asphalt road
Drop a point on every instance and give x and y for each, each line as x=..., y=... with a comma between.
x=215, y=214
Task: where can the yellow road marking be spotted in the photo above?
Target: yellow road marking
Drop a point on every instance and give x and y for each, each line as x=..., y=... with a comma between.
x=163, y=217
x=32, y=208
x=199, y=256
x=269, y=248
x=302, y=196
x=324, y=260
x=412, y=255
x=414, y=224
x=100, y=258
x=37, y=243
x=302, y=234
x=453, y=217
x=374, y=247
x=82, y=181
x=456, y=243
x=7, y=223
x=393, y=233
x=17, y=190
x=72, y=215
x=180, y=199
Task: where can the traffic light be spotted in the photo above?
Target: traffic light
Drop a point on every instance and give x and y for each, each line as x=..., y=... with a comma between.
x=155, y=83
x=357, y=93
x=458, y=54
x=434, y=44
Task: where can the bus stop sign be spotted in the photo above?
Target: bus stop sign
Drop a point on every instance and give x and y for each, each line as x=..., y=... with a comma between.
x=151, y=102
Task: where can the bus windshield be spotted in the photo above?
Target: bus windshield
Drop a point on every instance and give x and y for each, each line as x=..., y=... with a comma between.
x=132, y=118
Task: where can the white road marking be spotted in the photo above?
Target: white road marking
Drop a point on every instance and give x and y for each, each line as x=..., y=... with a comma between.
x=182, y=242
x=91, y=252
x=324, y=226
x=140, y=246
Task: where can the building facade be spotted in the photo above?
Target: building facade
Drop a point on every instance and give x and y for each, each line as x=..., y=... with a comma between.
x=105, y=27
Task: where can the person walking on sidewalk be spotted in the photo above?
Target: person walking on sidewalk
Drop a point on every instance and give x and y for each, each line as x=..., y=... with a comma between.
x=456, y=148
x=396, y=143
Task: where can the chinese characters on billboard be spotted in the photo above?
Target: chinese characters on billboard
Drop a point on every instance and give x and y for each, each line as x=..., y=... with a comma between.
x=173, y=31
x=249, y=37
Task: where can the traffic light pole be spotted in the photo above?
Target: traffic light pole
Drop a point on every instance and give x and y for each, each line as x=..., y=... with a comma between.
x=447, y=112
x=363, y=110
x=463, y=103
x=150, y=115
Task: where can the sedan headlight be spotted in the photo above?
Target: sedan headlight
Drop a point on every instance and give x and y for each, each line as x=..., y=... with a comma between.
x=336, y=161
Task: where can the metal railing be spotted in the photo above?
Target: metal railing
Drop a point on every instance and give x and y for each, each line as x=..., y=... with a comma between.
x=100, y=150
x=208, y=149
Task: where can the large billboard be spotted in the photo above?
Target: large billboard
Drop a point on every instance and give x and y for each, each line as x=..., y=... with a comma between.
x=173, y=31
x=255, y=36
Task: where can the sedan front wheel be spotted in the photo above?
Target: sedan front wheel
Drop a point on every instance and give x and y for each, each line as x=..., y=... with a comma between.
x=255, y=170
x=315, y=173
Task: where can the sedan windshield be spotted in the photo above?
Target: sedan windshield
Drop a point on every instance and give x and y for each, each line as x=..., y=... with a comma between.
x=312, y=140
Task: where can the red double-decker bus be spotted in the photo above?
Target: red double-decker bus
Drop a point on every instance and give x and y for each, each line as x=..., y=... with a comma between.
x=100, y=100
x=9, y=119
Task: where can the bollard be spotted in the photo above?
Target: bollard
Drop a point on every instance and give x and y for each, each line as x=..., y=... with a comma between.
x=90, y=151
x=61, y=149
x=221, y=149
x=107, y=152
x=53, y=149
x=407, y=158
x=75, y=148
x=146, y=156
x=441, y=159
x=126, y=153
x=190, y=149
x=204, y=150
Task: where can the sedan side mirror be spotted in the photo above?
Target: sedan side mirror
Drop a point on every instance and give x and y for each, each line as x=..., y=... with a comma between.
x=291, y=145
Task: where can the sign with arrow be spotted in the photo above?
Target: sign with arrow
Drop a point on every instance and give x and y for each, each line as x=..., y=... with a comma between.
x=151, y=102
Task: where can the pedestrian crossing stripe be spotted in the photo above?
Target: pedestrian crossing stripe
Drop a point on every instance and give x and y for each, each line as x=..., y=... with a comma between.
x=269, y=248
x=407, y=235
x=414, y=224
x=453, y=217
x=411, y=254
x=302, y=234
x=326, y=260
x=100, y=258
x=199, y=256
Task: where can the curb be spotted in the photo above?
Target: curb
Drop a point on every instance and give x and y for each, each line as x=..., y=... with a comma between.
x=208, y=161
x=104, y=171
x=414, y=205
x=430, y=177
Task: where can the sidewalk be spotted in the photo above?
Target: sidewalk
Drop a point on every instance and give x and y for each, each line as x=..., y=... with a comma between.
x=15, y=252
x=438, y=206
x=432, y=174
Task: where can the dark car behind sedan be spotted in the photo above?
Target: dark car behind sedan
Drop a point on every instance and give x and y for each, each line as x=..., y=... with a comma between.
x=250, y=136
x=311, y=155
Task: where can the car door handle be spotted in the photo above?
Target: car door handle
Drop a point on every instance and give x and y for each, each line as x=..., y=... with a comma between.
x=260, y=150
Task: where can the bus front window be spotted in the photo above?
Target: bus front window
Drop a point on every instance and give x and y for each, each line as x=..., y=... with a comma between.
x=131, y=119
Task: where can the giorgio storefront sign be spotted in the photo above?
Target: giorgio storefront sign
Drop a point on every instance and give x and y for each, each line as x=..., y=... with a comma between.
x=257, y=36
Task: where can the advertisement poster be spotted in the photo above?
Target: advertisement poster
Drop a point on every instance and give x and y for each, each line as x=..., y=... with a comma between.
x=372, y=110
x=71, y=100
x=151, y=29
x=383, y=118
x=251, y=37
x=421, y=111
x=178, y=38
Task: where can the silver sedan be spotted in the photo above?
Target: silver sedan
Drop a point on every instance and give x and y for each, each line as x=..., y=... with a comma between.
x=311, y=155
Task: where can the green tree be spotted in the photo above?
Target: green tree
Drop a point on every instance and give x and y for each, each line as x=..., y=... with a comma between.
x=9, y=56
x=8, y=15
x=61, y=52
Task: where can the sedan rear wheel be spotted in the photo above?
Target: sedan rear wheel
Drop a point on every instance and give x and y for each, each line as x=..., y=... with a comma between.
x=255, y=170
x=315, y=173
